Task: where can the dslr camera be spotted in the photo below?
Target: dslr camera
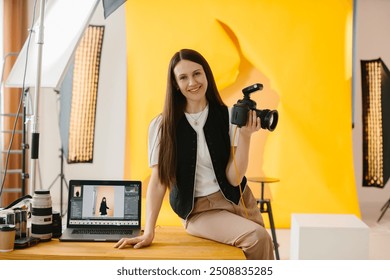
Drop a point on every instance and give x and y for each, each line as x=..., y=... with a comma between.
x=269, y=118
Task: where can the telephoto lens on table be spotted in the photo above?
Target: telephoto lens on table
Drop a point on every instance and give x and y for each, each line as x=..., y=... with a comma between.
x=42, y=215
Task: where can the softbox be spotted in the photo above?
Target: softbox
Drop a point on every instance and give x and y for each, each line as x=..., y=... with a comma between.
x=376, y=122
x=79, y=98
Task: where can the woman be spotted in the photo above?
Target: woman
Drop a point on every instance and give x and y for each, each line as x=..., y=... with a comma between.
x=103, y=207
x=190, y=154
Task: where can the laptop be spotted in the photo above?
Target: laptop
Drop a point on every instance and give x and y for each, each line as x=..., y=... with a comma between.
x=101, y=210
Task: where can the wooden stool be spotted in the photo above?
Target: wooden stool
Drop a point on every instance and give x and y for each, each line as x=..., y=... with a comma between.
x=266, y=202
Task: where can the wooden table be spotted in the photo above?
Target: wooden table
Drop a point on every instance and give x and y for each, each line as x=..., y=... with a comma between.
x=170, y=243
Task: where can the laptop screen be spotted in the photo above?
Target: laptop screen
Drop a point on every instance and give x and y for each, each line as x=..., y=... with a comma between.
x=104, y=203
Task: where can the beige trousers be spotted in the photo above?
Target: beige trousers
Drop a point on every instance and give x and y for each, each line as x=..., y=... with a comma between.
x=215, y=218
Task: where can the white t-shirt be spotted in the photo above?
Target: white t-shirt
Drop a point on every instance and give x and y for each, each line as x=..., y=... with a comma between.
x=205, y=180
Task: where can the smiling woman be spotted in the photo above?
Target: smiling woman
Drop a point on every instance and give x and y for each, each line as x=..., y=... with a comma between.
x=191, y=155
x=192, y=82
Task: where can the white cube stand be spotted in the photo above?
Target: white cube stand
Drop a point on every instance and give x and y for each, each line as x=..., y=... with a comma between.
x=328, y=237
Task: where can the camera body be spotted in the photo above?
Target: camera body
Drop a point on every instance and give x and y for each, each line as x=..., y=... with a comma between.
x=269, y=118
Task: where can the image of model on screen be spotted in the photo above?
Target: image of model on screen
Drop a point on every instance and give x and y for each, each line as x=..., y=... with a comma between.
x=103, y=207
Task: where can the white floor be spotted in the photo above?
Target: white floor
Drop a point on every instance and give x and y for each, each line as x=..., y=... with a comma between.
x=379, y=234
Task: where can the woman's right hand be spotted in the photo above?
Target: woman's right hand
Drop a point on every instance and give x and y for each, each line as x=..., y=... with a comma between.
x=136, y=242
x=253, y=124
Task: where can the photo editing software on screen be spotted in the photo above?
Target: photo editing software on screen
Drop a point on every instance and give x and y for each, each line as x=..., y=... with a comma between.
x=105, y=205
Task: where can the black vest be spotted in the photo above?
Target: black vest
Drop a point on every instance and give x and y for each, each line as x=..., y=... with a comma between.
x=216, y=130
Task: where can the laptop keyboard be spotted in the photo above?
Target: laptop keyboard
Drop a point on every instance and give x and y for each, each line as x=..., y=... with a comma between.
x=102, y=231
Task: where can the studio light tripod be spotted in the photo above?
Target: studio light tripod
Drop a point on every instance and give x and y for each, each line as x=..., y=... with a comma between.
x=63, y=181
x=384, y=209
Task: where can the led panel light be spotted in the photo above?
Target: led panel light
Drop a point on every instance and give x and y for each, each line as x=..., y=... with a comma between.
x=84, y=96
x=376, y=129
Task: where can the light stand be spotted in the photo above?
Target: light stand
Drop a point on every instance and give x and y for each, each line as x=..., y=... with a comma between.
x=25, y=146
x=384, y=209
x=34, y=118
x=62, y=178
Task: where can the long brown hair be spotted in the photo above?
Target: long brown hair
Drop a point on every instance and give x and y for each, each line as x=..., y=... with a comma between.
x=175, y=103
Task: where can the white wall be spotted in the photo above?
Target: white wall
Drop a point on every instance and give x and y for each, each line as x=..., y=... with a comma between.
x=372, y=41
x=108, y=159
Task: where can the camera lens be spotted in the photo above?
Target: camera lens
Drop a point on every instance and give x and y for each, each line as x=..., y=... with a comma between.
x=41, y=223
x=269, y=119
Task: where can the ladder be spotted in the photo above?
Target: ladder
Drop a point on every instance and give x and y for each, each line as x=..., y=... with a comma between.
x=12, y=165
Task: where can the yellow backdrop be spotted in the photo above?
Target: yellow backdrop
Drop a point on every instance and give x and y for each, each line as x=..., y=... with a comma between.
x=300, y=50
